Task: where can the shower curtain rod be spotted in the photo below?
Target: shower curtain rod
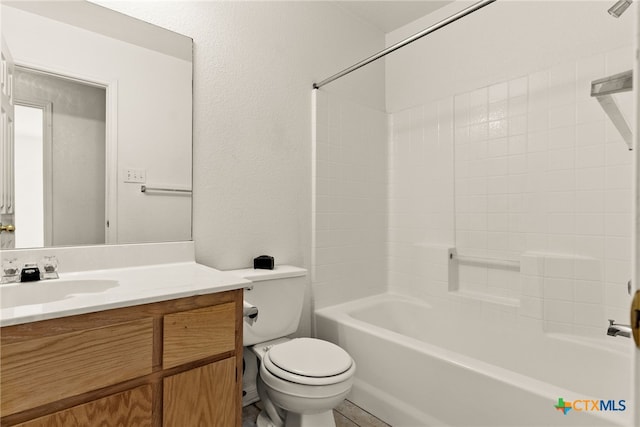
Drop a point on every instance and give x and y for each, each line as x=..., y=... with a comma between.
x=385, y=52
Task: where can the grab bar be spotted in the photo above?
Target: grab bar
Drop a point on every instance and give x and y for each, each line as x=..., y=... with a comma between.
x=144, y=189
x=505, y=263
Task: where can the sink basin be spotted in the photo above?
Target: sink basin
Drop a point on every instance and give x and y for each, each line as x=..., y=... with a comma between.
x=47, y=291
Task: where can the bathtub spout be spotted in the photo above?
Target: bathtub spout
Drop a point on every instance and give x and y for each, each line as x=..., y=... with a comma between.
x=616, y=329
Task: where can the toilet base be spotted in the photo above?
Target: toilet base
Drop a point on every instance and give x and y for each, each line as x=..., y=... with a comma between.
x=323, y=419
x=264, y=420
x=249, y=375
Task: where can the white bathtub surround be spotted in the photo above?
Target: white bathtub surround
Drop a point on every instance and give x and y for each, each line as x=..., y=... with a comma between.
x=537, y=169
x=556, y=292
x=452, y=365
x=350, y=213
x=566, y=292
x=535, y=164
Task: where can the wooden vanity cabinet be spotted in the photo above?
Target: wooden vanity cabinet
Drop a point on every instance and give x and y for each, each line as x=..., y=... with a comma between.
x=174, y=363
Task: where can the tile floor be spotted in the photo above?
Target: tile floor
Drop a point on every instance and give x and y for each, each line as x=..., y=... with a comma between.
x=347, y=414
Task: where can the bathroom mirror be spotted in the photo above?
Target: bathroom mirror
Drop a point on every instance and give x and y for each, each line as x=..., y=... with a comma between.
x=105, y=100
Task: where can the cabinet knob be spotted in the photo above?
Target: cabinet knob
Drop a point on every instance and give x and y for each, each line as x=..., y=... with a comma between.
x=10, y=228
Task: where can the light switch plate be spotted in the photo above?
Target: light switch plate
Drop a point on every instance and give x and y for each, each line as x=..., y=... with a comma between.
x=136, y=176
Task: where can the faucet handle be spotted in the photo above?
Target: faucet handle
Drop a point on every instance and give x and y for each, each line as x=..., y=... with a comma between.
x=10, y=267
x=50, y=263
x=49, y=267
x=611, y=322
x=10, y=270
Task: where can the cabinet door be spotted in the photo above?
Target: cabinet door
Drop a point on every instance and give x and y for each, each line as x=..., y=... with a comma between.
x=204, y=396
x=131, y=408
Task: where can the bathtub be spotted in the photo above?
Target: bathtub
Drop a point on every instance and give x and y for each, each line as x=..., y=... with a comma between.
x=421, y=366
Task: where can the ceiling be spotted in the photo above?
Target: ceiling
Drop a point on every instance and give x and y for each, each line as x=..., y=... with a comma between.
x=390, y=15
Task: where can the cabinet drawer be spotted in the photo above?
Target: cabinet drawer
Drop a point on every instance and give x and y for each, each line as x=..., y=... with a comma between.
x=197, y=334
x=42, y=370
x=131, y=408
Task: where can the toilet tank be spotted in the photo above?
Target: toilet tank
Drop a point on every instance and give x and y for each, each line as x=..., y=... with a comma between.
x=279, y=295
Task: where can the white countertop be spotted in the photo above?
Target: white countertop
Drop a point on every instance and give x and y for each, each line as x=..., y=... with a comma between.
x=90, y=291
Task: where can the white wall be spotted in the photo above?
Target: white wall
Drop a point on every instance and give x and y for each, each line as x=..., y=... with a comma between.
x=254, y=64
x=153, y=114
x=539, y=174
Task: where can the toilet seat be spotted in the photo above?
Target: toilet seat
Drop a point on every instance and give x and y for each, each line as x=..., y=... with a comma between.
x=309, y=361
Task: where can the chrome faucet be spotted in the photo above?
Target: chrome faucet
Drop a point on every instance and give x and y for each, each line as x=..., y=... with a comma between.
x=47, y=268
x=616, y=329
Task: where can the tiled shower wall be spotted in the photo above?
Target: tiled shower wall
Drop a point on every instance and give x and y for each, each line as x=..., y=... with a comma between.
x=421, y=199
x=540, y=177
x=350, y=214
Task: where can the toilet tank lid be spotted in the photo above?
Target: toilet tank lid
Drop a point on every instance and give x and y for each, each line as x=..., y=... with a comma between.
x=279, y=272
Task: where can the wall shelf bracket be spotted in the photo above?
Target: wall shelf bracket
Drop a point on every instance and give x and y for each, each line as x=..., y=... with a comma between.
x=604, y=89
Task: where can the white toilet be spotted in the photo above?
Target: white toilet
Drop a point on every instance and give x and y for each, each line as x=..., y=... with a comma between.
x=299, y=380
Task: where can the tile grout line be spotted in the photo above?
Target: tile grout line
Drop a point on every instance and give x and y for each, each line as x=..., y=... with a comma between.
x=347, y=417
x=362, y=411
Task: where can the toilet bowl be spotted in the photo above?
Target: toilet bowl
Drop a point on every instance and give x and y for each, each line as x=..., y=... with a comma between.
x=301, y=380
